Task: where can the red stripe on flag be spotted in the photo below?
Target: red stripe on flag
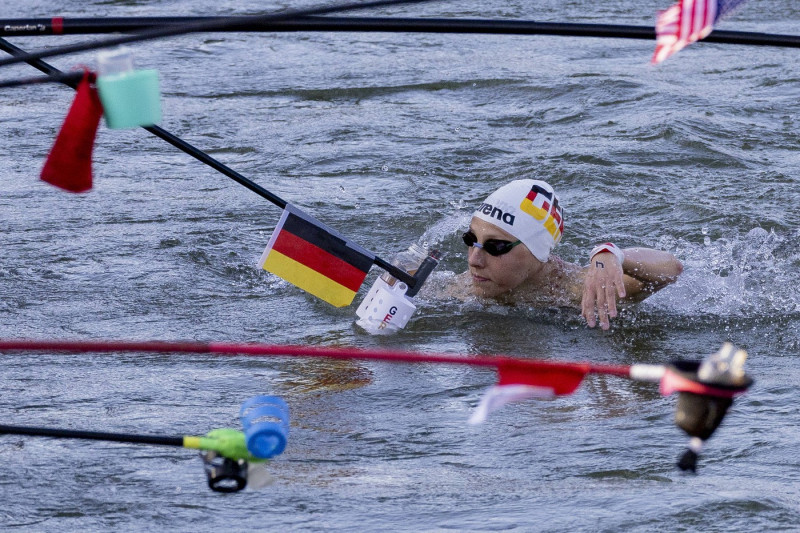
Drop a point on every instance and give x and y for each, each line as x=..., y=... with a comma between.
x=690, y=20
x=683, y=23
x=319, y=260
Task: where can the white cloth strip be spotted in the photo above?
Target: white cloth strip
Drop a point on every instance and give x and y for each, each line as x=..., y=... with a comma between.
x=652, y=373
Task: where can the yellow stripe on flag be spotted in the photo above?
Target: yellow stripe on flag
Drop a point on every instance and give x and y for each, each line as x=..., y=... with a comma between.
x=308, y=279
x=550, y=226
x=533, y=210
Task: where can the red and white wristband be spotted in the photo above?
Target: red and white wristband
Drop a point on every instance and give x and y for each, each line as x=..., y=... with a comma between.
x=608, y=247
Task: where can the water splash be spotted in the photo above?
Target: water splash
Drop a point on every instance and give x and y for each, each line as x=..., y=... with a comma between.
x=443, y=230
x=750, y=275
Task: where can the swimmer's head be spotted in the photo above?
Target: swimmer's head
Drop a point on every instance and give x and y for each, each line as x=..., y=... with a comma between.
x=529, y=210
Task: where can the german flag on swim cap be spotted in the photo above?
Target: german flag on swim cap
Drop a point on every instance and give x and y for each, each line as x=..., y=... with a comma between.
x=542, y=204
x=315, y=258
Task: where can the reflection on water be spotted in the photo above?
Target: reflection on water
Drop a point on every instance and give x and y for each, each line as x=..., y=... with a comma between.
x=323, y=376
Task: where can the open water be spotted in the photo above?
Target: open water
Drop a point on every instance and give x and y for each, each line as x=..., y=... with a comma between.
x=390, y=138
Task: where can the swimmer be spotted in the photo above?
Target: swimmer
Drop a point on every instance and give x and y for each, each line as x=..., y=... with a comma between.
x=510, y=238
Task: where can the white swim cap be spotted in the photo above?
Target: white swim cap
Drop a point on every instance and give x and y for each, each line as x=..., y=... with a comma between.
x=528, y=210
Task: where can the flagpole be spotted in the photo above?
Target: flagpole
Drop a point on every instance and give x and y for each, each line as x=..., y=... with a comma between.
x=74, y=26
x=201, y=156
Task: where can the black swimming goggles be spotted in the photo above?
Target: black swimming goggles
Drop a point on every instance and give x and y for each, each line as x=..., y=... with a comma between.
x=493, y=247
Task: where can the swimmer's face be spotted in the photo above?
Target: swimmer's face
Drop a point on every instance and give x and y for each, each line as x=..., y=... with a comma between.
x=494, y=275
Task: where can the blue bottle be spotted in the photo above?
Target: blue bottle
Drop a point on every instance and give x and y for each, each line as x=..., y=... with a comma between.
x=265, y=420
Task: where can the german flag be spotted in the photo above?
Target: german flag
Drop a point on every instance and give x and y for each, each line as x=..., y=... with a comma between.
x=542, y=205
x=315, y=258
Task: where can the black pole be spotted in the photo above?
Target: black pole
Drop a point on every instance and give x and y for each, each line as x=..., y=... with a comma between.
x=58, y=26
x=66, y=78
x=91, y=435
x=207, y=25
x=198, y=154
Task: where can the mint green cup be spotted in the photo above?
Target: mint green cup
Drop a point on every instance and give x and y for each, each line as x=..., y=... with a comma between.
x=130, y=99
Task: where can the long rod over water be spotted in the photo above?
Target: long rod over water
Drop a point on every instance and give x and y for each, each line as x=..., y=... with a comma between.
x=75, y=26
x=206, y=25
x=198, y=154
x=91, y=435
x=269, y=350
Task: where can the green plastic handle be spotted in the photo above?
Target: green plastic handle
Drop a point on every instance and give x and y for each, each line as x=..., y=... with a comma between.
x=227, y=442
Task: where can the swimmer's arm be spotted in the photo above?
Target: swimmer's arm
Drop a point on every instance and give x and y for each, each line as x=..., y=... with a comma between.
x=644, y=271
x=648, y=270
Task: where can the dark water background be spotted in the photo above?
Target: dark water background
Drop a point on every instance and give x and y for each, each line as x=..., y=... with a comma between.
x=390, y=137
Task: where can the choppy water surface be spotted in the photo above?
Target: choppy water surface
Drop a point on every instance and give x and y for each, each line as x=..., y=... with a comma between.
x=389, y=137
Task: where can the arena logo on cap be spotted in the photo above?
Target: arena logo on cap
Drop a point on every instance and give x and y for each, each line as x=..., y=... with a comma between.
x=542, y=205
x=496, y=212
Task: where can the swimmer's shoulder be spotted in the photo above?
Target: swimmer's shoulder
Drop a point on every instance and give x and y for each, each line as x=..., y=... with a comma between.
x=566, y=282
x=448, y=286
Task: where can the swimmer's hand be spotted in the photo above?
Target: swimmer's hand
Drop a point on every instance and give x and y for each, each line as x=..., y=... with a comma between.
x=601, y=287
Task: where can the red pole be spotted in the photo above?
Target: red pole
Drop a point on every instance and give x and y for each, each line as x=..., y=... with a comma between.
x=267, y=350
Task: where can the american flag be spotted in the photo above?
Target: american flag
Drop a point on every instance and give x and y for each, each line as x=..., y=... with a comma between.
x=686, y=22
